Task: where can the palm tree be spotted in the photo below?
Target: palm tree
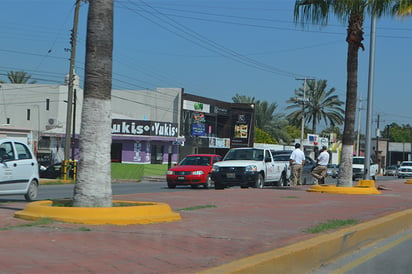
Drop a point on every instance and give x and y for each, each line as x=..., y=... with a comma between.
x=19, y=77
x=403, y=8
x=243, y=99
x=352, y=12
x=321, y=105
x=93, y=186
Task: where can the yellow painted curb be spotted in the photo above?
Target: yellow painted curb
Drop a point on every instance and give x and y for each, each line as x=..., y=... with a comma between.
x=343, y=190
x=408, y=181
x=308, y=255
x=45, y=181
x=136, y=213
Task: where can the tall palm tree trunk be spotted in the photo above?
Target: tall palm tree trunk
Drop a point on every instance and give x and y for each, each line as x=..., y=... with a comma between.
x=93, y=186
x=354, y=39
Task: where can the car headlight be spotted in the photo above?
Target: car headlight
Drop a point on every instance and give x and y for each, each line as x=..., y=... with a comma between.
x=169, y=172
x=198, y=172
x=251, y=168
x=215, y=168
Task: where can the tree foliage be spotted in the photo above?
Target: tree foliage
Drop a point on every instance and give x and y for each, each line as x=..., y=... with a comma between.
x=316, y=104
x=352, y=14
x=263, y=137
x=19, y=77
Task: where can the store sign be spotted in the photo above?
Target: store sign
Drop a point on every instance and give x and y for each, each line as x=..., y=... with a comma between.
x=241, y=130
x=196, y=106
x=144, y=128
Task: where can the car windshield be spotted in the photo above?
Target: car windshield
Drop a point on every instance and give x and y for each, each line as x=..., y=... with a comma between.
x=407, y=164
x=358, y=161
x=195, y=161
x=245, y=154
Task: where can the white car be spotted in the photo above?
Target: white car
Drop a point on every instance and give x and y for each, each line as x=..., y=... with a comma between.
x=405, y=169
x=19, y=170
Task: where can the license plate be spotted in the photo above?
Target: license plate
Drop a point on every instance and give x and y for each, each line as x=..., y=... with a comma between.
x=180, y=178
x=230, y=175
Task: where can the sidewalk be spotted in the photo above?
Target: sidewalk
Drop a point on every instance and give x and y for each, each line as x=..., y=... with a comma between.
x=217, y=227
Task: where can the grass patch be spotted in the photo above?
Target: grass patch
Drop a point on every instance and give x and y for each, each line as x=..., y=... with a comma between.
x=196, y=207
x=290, y=197
x=331, y=224
x=126, y=172
x=39, y=222
x=155, y=170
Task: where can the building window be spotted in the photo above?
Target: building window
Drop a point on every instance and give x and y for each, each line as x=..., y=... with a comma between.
x=28, y=114
x=47, y=104
x=8, y=121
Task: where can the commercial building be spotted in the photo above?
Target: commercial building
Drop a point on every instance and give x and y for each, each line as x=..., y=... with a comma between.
x=145, y=123
x=148, y=126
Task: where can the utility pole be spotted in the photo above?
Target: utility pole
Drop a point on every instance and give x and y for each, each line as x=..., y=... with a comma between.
x=303, y=101
x=370, y=96
x=378, y=160
x=358, y=137
x=71, y=82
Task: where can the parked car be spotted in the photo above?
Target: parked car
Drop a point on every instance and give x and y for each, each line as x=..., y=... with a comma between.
x=405, y=169
x=193, y=170
x=307, y=178
x=19, y=170
x=391, y=171
x=333, y=170
x=54, y=171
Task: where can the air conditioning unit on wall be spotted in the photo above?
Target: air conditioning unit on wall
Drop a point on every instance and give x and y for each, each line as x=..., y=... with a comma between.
x=52, y=122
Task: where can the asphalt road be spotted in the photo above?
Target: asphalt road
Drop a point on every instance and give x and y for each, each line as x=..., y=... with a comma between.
x=66, y=190
x=391, y=255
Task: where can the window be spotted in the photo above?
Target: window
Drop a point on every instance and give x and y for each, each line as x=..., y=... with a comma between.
x=22, y=151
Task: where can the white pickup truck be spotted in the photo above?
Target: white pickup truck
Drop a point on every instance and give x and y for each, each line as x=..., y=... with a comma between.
x=249, y=167
x=358, y=168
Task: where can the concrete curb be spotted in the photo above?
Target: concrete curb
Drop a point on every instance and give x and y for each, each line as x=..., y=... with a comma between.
x=312, y=253
x=136, y=213
x=343, y=190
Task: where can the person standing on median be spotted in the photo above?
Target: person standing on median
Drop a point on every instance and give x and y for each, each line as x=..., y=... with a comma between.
x=297, y=161
x=320, y=171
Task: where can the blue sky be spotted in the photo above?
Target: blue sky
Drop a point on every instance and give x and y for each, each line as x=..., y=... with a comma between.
x=213, y=48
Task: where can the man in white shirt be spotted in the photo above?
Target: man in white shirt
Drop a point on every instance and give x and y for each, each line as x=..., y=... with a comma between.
x=319, y=172
x=297, y=161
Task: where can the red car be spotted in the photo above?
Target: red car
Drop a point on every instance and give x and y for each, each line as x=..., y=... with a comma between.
x=193, y=170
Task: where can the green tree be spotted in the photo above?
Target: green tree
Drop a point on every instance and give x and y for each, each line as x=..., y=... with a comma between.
x=403, y=8
x=263, y=137
x=19, y=77
x=321, y=104
x=397, y=133
x=351, y=12
x=93, y=185
x=243, y=99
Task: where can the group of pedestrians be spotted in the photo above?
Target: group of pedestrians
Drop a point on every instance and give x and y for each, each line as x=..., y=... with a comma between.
x=297, y=162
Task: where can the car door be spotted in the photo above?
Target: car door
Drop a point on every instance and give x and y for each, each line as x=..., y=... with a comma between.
x=24, y=165
x=272, y=168
x=7, y=169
